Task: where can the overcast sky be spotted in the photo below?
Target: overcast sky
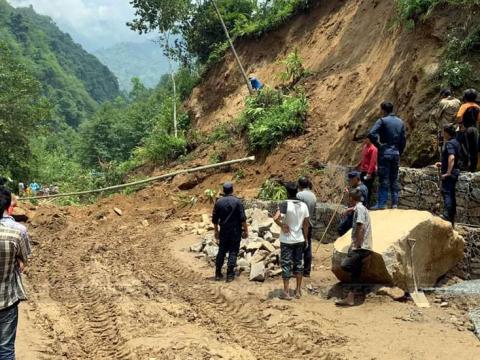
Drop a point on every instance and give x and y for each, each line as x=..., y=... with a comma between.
x=93, y=23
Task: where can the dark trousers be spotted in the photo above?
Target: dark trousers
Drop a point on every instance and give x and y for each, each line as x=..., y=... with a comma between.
x=307, y=253
x=369, y=184
x=345, y=224
x=353, y=263
x=471, y=139
x=291, y=259
x=8, y=332
x=232, y=247
x=388, y=178
x=449, y=198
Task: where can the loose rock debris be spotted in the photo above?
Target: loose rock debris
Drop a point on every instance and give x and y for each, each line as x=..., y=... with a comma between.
x=259, y=255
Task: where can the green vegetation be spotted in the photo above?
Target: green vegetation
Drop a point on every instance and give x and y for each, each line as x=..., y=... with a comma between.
x=73, y=81
x=457, y=69
x=411, y=11
x=272, y=191
x=271, y=116
x=295, y=70
x=199, y=28
x=22, y=112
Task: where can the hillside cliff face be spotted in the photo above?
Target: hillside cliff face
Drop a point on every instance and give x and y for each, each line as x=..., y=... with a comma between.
x=73, y=80
x=357, y=59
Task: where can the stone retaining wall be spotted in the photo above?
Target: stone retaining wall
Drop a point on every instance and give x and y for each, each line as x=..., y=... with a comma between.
x=420, y=190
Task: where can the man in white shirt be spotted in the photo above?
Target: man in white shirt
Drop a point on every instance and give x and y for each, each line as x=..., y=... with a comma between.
x=293, y=218
x=361, y=245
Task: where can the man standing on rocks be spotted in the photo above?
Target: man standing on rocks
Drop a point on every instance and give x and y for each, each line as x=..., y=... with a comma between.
x=388, y=135
x=450, y=171
x=368, y=167
x=230, y=224
x=361, y=245
x=354, y=178
x=306, y=195
x=293, y=218
x=13, y=256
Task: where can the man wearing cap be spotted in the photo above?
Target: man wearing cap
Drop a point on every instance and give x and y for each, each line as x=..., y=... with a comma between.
x=354, y=179
x=230, y=224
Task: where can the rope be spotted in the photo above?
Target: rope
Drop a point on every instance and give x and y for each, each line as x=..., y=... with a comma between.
x=140, y=182
x=330, y=222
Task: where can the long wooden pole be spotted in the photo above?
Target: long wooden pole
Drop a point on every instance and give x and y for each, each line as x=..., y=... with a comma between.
x=237, y=58
x=140, y=182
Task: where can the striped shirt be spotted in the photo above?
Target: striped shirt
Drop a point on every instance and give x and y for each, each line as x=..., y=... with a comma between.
x=10, y=222
x=12, y=247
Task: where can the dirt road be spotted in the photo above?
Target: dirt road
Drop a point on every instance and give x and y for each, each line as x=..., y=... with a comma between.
x=109, y=287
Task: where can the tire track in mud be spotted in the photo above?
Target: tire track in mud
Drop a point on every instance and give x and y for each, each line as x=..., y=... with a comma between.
x=90, y=309
x=241, y=322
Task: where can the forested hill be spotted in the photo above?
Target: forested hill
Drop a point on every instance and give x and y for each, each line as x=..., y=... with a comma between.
x=74, y=81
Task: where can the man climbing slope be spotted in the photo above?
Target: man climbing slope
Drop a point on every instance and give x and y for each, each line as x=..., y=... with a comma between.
x=230, y=224
x=447, y=107
x=450, y=171
x=388, y=135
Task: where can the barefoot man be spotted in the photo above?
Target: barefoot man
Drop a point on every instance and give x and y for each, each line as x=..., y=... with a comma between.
x=293, y=218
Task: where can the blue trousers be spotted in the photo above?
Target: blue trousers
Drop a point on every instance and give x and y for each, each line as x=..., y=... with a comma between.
x=449, y=198
x=8, y=332
x=388, y=178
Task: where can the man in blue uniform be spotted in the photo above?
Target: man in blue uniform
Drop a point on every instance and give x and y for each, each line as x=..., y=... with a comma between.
x=257, y=85
x=230, y=224
x=450, y=171
x=388, y=135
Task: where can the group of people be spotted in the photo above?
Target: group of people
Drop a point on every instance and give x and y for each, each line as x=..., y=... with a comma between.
x=35, y=189
x=380, y=157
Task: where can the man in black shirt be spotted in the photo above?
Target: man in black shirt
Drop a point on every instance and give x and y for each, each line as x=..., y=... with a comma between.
x=450, y=171
x=230, y=224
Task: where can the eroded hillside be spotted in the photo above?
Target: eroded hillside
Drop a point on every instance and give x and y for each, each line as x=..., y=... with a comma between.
x=358, y=57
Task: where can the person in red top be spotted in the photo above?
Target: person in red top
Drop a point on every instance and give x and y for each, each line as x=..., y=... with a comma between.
x=368, y=166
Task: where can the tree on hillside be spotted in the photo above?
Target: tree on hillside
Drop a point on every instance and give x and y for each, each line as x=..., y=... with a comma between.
x=163, y=16
x=23, y=111
x=203, y=25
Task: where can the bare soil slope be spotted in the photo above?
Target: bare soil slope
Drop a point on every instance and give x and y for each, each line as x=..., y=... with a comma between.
x=358, y=59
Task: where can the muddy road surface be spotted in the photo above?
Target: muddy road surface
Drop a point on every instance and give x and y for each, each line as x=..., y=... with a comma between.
x=104, y=286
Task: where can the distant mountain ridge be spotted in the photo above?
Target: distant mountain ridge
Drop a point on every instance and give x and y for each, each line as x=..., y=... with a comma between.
x=73, y=80
x=129, y=59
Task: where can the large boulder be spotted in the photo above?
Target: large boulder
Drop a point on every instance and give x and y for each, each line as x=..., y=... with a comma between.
x=438, y=249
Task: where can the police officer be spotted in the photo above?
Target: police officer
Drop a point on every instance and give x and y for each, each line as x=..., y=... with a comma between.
x=450, y=171
x=230, y=224
x=388, y=135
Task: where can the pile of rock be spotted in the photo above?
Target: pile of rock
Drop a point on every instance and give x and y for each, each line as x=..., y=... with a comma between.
x=259, y=254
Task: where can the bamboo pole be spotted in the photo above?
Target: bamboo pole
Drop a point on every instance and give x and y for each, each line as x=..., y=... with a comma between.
x=237, y=58
x=140, y=182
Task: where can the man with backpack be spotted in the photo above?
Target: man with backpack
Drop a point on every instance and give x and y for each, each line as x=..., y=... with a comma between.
x=467, y=118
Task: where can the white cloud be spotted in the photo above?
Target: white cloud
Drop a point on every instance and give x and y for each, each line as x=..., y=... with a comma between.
x=94, y=23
